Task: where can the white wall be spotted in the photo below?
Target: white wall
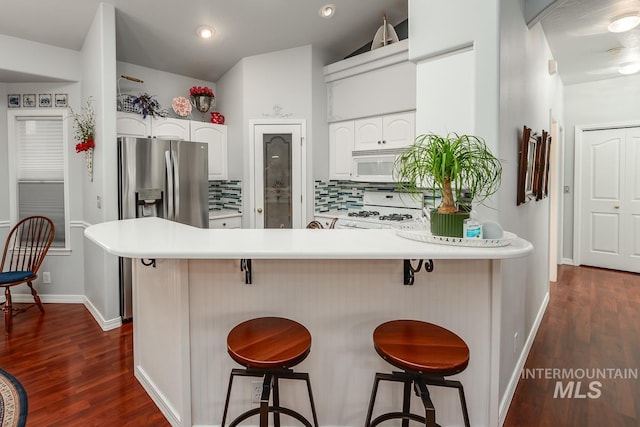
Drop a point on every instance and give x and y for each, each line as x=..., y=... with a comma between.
x=600, y=102
x=99, y=82
x=503, y=66
x=231, y=93
x=528, y=96
x=256, y=85
x=60, y=70
x=164, y=86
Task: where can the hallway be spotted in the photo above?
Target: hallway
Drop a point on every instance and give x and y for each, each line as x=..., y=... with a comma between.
x=592, y=323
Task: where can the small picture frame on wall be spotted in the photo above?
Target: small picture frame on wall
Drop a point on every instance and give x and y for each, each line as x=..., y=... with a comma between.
x=29, y=100
x=44, y=100
x=60, y=100
x=13, y=101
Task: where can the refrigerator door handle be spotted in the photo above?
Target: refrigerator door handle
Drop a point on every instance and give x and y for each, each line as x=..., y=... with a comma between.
x=176, y=175
x=170, y=180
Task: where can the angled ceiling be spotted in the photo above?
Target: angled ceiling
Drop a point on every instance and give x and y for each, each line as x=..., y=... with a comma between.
x=161, y=34
x=579, y=40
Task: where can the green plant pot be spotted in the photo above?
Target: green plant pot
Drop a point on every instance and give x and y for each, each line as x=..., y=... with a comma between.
x=448, y=224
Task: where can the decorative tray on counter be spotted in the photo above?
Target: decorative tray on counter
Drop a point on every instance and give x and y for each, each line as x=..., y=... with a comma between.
x=421, y=233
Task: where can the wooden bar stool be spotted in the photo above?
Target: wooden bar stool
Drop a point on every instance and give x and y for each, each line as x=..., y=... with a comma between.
x=269, y=347
x=426, y=353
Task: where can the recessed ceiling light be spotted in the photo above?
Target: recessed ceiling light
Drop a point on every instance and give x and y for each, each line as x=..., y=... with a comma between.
x=629, y=68
x=205, y=32
x=624, y=23
x=327, y=10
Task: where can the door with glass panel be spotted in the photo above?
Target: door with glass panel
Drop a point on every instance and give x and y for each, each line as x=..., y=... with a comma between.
x=277, y=176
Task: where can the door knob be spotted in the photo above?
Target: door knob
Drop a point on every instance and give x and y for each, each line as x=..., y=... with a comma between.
x=259, y=210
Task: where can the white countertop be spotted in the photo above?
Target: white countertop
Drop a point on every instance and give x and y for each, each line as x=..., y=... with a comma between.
x=160, y=238
x=223, y=213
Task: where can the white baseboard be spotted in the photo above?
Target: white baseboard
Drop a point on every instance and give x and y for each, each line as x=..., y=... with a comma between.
x=53, y=299
x=515, y=377
x=106, y=325
x=568, y=261
x=158, y=398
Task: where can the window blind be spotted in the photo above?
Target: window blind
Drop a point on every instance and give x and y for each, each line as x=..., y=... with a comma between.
x=40, y=171
x=40, y=149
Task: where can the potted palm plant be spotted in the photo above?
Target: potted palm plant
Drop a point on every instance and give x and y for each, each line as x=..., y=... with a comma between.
x=461, y=167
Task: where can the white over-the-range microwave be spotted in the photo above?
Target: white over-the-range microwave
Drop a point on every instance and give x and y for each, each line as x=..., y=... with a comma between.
x=374, y=165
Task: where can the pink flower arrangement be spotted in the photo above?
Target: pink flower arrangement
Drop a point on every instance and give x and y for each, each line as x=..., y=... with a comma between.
x=201, y=91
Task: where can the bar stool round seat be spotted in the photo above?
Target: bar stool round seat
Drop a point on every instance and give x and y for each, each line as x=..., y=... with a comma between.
x=426, y=353
x=418, y=346
x=269, y=342
x=269, y=347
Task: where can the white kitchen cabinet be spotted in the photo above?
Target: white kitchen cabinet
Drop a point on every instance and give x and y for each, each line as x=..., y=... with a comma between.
x=229, y=222
x=216, y=137
x=131, y=124
x=374, y=83
x=341, y=138
x=168, y=128
x=385, y=132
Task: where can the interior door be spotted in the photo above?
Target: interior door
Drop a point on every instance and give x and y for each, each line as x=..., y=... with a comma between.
x=610, y=199
x=278, y=176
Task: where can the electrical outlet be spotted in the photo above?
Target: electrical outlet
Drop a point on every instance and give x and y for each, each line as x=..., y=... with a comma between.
x=46, y=277
x=256, y=391
x=515, y=343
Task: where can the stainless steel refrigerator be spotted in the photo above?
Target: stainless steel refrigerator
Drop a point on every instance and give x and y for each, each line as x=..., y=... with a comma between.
x=162, y=178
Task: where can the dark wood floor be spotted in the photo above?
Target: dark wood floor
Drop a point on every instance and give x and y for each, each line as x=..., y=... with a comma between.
x=592, y=321
x=77, y=375
x=74, y=373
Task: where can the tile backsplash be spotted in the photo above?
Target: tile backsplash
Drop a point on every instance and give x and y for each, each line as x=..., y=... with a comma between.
x=225, y=195
x=344, y=195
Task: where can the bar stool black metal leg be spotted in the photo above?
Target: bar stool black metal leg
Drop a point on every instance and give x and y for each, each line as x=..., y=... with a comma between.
x=429, y=410
x=264, y=400
x=276, y=402
x=406, y=402
x=311, y=401
x=226, y=403
x=372, y=401
x=463, y=402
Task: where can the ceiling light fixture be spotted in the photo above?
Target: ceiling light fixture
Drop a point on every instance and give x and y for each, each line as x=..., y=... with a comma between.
x=327, y=10
x=629, y=68
x=205, y=32
x=623, y=23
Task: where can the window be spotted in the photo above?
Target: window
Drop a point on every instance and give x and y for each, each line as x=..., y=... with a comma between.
x=37, y=168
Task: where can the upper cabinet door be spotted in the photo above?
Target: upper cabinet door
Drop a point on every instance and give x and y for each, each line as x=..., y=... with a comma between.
x=340, y=147
x=166, y=128
x=368, y=134
x=131, y=124
x=399, y=130
x=216, y=137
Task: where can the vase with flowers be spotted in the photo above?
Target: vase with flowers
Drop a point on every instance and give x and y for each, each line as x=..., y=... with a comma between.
x=201, y=98
x=84, y=125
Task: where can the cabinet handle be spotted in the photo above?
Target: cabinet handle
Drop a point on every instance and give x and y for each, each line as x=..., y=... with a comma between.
x=224, y=224
x=384, y=142
x=259, y=210
x=616, y=207
x=379, y=142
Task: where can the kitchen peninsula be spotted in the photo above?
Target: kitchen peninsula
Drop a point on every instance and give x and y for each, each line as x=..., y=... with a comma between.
x=189, y=291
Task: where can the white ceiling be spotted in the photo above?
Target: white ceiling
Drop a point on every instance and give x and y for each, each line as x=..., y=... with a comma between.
x=579, y=40
x=161, y=34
